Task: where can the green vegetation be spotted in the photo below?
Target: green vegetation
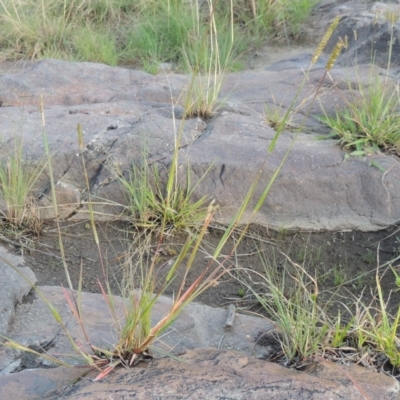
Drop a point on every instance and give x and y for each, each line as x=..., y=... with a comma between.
x=17, y=178
x=153, y=206
x=371, y=120
x=339, y=275
x=144, y=33
x=200, y=37
x=335, y=325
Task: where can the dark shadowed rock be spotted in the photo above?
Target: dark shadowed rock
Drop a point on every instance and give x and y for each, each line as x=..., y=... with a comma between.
x=13, y=286
x=370, y=27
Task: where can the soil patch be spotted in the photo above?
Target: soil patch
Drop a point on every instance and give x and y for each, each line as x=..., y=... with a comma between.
x=343, y=262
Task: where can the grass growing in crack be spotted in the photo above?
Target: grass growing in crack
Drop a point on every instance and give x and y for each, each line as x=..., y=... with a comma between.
x=274, y=115
x=17, y=178
x=383, y=329
x=312, y=323
x=339, y=327
x=152, y=206
x=298, y=315
x=208, y=60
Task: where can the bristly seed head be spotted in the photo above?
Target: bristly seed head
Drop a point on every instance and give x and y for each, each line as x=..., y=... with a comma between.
x=80, y=136
x=322, y=44
x=41, y=107
x=341, y=44
x=392, y=16
x=13, y=345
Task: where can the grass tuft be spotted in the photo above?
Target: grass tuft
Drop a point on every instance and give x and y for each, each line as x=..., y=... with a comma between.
x=339, y=327
x=151, y=206
x=371, y=120
x=18, y=208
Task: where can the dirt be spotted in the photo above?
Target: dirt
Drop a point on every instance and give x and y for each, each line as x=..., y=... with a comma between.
x=344, y=262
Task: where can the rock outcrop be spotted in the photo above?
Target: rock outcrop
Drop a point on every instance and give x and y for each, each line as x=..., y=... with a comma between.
x=209, y=361
x=124, y=113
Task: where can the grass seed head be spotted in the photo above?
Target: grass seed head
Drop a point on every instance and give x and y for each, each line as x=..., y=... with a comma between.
x=341, y=44
x=80, y=136
x=324, y=41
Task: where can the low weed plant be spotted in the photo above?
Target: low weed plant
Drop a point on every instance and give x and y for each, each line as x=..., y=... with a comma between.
x=291, y=301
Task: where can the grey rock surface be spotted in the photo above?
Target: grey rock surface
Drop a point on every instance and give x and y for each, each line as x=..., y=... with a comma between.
x=198, y=326
x=210, y=361
x=370, y=27
x=204, y=374
x=123, y=111
x=13, y=286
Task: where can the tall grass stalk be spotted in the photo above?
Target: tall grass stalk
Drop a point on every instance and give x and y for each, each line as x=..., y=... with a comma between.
x=53, y=192
x=208, y=61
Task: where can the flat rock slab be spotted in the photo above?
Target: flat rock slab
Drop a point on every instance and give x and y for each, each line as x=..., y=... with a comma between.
x=198, y=326
x=15, y=284
x=210, y=361
x=203, y=374
x=123, y=112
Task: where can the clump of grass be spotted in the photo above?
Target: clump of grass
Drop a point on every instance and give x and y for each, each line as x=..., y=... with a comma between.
x=158, y=34
x=208, y=60
x=383, y=329
x=371, y=121
x=152, y=206
x=292, y=303
x=338, y=327
x=339, y=275
x=274, y=115
x=17, y=178
x=95, y=45
x=397, y=278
